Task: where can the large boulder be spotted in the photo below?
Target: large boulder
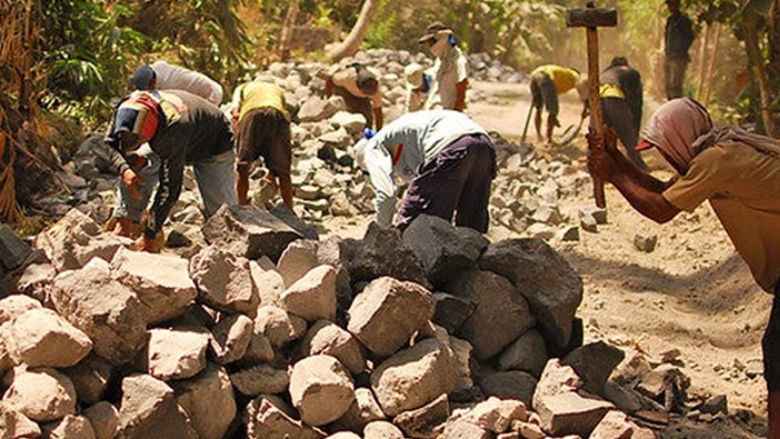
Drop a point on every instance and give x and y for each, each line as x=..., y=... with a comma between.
x=149, y=409
x=107, y=311
x=444, y=250
x=321, y=389
x=249, y=231
x=452, y=311
x=327, y=338
x=208, y=401
x=414, y=377
x=544, y=278
x=224, y=281
x=266, y=421
x=176, y=354
x=41, y=394
x=161, y=282
x=501, y=316
x=41, y=338
x=382, y=252
x=512, y=384
x=388, y=312
x=313, y=296
x=75, y=239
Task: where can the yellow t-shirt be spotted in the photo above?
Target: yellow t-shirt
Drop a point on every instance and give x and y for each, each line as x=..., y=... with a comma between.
x=611, y=91
x=564, y=79
x=255, y=94
x=743, y=187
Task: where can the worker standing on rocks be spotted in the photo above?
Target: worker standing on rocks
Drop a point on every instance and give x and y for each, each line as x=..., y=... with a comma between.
x=181, y=128
x=263, y=122
x=547, y=82
x=737, y=172
x=359, y=86
x=621, y=103
x=449, y=160
x=450, y=70
x=160, y=75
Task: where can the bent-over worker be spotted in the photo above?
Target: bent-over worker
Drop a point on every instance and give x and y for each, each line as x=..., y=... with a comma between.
x=359, y=86
x=547, y=82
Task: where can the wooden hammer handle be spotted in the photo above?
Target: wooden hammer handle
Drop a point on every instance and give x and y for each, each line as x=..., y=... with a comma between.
x=596, y=116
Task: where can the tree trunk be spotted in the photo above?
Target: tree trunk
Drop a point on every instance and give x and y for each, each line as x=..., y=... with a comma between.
x=701, y=66
x=711, y=66
x=759, y=75
x=351, y=44
x=773, y=25
x=289, y=22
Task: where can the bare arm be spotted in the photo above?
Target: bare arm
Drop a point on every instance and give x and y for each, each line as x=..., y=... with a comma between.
x=378, y=118
x=242, y=182
x=460, y=101
x=286, y=189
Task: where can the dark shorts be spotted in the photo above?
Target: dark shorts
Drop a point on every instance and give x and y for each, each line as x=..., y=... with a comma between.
x=265, y=132
x=356, y=104
x=543, y=92
x=771, y=346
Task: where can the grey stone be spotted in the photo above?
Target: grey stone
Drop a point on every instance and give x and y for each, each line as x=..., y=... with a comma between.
x=90, y=378
x=527, y=353
x=452, y=311
x=13, y=250
x=306, y=230
x=382, y=252
x=385, y=315
x=512, y=384
x=249, y=231
x=426, y=421
x=713, y=406
x=114, y=319
x=501, y=315
x=261, y=379
x=444, y=250
x=224, y=281
x=553, y=289
x=594, y=363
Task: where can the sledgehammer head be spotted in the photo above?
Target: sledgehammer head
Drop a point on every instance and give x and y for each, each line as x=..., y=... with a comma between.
x=591, y=17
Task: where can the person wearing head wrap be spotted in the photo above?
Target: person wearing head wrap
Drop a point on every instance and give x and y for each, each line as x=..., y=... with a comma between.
x=737, y=172
x=360, y=88
x=181, y=128
x=418, y=85
x=450, y=70
x=547, y=82
x=447, y=158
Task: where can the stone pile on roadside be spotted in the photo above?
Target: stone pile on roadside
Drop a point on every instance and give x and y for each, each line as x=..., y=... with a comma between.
x=430, y=333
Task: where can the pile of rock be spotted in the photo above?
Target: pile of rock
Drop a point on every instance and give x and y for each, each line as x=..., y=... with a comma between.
x=430, y=333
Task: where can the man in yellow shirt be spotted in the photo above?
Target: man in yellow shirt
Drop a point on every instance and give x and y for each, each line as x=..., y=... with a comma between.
x=737, y=172
x=547, y=82
x=263, y=130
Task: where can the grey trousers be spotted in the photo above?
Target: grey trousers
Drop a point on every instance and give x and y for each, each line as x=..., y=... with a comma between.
x=674, y=71
x=215, y=176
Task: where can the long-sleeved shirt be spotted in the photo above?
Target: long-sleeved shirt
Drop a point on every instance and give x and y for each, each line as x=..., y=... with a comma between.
x=679, y=36
x=399, y=149
x=193, y=130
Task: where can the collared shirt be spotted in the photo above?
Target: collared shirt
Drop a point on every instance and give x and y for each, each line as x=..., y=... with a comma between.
x=398, y=150
x=171, y=77
x=743, y=188
x=448, y=72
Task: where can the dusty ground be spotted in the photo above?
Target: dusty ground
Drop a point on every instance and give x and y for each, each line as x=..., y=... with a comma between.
x=693, y=293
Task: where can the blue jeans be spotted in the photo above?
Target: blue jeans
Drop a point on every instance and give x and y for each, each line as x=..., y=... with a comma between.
x=215, y=176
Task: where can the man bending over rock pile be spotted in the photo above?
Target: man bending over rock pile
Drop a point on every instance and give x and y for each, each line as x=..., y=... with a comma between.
x=449, y=160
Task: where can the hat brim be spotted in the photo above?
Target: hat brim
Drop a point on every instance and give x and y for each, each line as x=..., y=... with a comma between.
x=426, y=38
x=644, y=145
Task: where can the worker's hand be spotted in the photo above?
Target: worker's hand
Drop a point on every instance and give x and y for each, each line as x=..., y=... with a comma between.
x=151, y=245
x=601, y=162
x=131, y=180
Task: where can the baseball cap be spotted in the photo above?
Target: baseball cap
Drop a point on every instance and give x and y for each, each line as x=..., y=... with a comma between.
x=431, y=30
x=142, y=77
x=643, y=145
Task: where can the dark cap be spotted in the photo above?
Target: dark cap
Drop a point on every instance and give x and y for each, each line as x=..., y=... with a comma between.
x=142, y=78
x=430, y=31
